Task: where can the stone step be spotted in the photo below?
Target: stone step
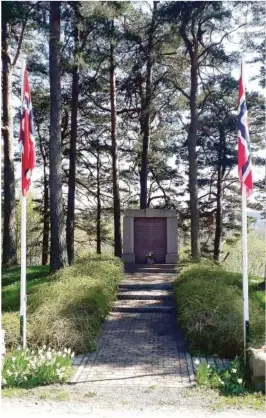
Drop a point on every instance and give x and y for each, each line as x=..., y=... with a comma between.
x=144, y=294
x=147, y=269
x=133, y=306
x=144, y=286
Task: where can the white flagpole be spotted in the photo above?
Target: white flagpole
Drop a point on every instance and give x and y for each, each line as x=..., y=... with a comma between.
x=245, y=251
x=245, y=266
x=23, y=256
x=2, y=331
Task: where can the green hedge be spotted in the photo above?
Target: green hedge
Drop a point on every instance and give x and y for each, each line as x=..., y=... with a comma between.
x=210, y=310
x=68, y=308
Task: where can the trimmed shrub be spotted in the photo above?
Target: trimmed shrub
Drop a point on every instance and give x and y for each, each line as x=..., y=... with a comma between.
x=210, y=310
x=69, y=309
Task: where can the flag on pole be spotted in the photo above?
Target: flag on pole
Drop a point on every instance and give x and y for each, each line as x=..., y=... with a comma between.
x=245, y=177
x=244, y=150
x=28, y=157
x=28, y=162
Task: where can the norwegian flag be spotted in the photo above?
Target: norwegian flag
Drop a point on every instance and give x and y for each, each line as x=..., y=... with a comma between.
x=244, y=150
x=28, y=157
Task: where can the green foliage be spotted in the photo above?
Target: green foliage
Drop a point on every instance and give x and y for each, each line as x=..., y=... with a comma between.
x=11, y=275
x=228, y=379
x=256, y=255
x=33, y=368
x=67, y=308
x=210, y=310
x=11, y=293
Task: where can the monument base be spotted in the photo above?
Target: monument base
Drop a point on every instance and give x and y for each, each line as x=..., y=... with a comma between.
x=128, y=258
x=171, y=258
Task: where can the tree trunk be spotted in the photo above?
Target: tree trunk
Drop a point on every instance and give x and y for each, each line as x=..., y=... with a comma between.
x=58, y=236
x=146, y=116
x=73, y=152
x=9, y=233
x=192, y=158
x=116, y=194
x=98, y=220
x=218, y=226
x=46, y=225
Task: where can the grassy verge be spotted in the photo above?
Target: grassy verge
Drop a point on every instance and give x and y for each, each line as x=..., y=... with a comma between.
x=12, y=275
x=210, y=310
x=65, y=309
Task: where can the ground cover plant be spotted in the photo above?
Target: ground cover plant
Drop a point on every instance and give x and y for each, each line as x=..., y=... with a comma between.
x=29, y=368
x=210, y=310
x=66, y=308
x=229, y=379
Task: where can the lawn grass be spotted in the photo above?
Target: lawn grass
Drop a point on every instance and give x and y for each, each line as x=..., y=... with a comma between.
x=36, y=279
x=12, y=275
x=65, y=309
x=37, y=276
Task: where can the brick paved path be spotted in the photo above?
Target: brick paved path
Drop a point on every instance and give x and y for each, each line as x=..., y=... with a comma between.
x=140, y=343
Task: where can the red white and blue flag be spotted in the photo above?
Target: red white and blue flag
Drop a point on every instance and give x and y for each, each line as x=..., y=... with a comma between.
x=244, y=150
x=28, y=156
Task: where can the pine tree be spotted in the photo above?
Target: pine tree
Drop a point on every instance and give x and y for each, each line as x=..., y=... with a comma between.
x=58, y=257
x=14, y=20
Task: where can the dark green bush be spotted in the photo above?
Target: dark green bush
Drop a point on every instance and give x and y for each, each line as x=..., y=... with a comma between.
x=210, y=310
x=68, y=310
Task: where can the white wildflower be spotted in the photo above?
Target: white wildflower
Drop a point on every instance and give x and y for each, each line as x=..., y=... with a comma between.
x=49, y=349
x=65, y=350
x=240, y=381
x=69, y=351
x=59, y=353
x=64, y=355
x=4, y=381
x=234, y=371
x=58, y=372
x=197, y=362
x=221, y=381
x=49, y=355
x=73, y=355
x=209, y=366
x=25, y=378
x=44, y=347
x=13, y=359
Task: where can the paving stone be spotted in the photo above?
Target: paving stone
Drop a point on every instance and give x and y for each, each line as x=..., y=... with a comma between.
x=140, y=348
x=153, y=305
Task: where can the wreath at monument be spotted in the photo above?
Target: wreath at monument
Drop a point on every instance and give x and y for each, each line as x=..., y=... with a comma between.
x=150, y=258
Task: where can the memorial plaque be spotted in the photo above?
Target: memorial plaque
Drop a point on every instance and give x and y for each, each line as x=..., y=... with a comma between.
x=150, y=236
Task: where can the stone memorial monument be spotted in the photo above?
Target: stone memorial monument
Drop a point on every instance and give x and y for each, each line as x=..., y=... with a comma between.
x=150, y=234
